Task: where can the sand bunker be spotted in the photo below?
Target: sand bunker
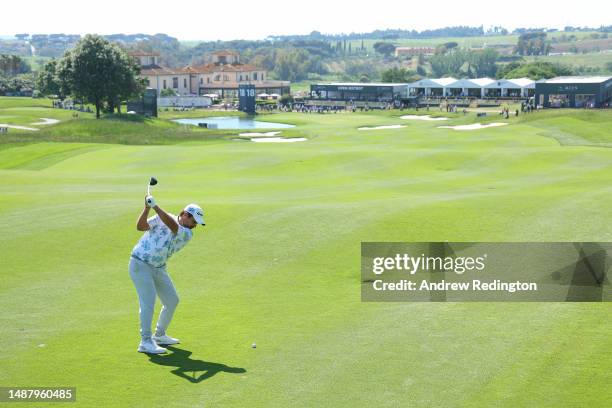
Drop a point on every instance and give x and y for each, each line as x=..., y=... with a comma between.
x=420, y=117
x=17, y=127
x=382, y=127
x=473, y=126
x=278, y=139
x=264, y=134
x=46, y=121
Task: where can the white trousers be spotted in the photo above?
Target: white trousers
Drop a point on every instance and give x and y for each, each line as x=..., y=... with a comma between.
x=151, y=282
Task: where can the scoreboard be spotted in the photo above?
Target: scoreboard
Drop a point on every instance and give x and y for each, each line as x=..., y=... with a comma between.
x=246, y=98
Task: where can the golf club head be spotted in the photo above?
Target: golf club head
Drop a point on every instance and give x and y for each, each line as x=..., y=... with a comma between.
x=152, y=182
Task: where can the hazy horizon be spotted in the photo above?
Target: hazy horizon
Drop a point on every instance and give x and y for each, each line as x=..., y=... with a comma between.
x=193, y=21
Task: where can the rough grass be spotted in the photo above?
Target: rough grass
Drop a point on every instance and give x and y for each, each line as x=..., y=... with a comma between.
x=598, y=60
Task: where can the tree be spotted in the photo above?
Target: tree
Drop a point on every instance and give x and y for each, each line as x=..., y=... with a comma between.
x=448, y=64
x=292, y=65
x=16, y=84
x=503, y=70
x=356, y=69
x=482, y=63
x=532, y=43
x=11, y=65
x=127, y=83
x=47, y=82
x=446, y=47
x=384, y=48
x=398, y=75
x=97, y=71
x=421, y=59
x=539, y=70
x=168, y=92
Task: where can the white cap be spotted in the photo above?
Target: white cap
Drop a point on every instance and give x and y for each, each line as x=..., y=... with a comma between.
x=196, y=211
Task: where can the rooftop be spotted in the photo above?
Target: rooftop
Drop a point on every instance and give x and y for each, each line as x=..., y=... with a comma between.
x=210, y=68
x=143, y=54
x=158, y=70
x=482, y=81
x=225, y=52
x=443, y=81
x=363, y=84
x=522, y=81
x=577, y=80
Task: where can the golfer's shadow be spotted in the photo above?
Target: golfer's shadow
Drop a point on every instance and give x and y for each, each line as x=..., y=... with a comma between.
x=186, y=366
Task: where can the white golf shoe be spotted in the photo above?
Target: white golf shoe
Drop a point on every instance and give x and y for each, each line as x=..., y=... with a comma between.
x=150, y=347
x=165, y=340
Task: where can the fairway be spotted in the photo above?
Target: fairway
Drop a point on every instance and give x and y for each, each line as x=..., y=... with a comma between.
x=278, y=263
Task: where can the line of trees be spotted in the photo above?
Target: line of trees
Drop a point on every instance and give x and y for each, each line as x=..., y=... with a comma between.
x=389, y=34
x=467, y=63
x=15, y=75
x=11, y=65
x=399, y=75
x=534, y=70
x=532, y=43
x=94, y=71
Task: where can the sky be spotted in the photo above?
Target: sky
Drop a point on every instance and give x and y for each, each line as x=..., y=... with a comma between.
x=252, y=19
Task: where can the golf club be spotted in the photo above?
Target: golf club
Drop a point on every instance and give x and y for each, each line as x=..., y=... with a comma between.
x=152, y=182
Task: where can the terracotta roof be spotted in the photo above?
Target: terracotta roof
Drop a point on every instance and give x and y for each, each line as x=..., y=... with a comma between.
x=264, y=85
x=415, y=48
x=210, y=68
x=200, y=69
x=143, y=54
x=159, y=70
x=225, y=52
x=189, y=70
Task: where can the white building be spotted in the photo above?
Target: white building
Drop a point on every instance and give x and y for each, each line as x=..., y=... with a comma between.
x=221, y=76
x=476, y=88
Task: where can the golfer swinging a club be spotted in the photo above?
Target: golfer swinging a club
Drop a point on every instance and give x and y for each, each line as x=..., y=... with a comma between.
x=164, y=235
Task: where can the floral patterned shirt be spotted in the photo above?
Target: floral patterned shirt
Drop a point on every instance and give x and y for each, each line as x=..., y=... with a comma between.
x=158, y=244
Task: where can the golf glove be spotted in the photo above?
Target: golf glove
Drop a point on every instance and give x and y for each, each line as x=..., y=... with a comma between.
x=150, y=201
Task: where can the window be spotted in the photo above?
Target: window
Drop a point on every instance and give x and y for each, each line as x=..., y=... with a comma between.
x=164, y=84
x=208, y=80
x=184, y=82
x=255, y=76
x=247, y=77
x=559, y=100
x=148, y=82
x=217, y=77
x=201, y=80
x=226, y=77
x=175, y=82
x=240, y=78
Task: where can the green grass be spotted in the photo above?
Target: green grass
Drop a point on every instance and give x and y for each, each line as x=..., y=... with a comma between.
x=464, y=42
x=597, y=60
x=124, y=129
x=37, y=62
x=278, y=262
x=7, y=102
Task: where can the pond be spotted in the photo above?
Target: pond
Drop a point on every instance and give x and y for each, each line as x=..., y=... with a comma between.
x=233, y=122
